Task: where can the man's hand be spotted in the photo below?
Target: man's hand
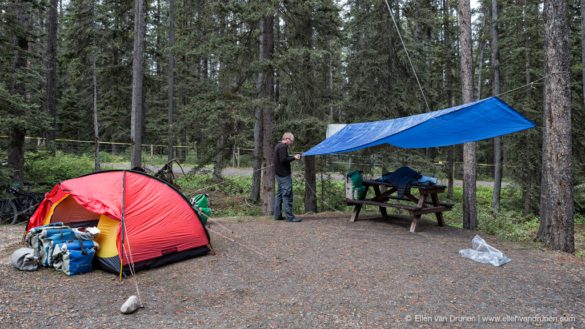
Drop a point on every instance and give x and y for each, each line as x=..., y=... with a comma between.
x=297, y=156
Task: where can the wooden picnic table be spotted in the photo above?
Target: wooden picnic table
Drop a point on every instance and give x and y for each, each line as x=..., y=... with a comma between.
x=423, y=204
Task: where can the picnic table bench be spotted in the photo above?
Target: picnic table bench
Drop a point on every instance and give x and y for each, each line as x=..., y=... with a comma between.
x=422, y=205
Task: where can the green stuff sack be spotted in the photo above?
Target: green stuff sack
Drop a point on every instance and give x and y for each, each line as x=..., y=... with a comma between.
x=354, y=188
x=202, y=204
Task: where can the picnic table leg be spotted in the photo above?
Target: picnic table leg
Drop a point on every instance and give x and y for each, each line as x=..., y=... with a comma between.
x=383, y=212
x=356, y=212
x=414, y=223
x=436, y=203
x=378, y=194
x=416, y=216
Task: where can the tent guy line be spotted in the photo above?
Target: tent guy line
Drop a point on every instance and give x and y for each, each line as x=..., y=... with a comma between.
x=408, y=56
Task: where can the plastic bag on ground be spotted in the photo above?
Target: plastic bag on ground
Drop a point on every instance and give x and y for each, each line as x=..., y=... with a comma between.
x=484, y=253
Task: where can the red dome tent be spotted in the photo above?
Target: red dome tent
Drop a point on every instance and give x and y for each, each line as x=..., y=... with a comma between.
x=143, y=220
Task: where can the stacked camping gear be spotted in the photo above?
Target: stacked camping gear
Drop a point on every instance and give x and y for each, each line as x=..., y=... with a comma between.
x=63, y=248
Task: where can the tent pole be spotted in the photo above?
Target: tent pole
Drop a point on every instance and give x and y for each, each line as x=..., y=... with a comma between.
x=123, y=224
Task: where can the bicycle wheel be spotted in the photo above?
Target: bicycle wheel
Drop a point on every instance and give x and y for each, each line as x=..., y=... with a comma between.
x=26, y=204
x=8, y=212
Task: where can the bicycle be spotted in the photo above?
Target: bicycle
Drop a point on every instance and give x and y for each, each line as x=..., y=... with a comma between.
x=19, y=206
x=166, y=172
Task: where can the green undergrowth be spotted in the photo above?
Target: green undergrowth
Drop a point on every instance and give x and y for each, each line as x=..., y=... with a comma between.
x=46, y=170
x=509, y=223
x=231, y=196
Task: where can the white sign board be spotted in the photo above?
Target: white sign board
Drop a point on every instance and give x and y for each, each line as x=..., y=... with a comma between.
x=334, y=128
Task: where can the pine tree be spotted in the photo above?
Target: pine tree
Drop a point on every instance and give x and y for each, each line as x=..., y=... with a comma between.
x=469, y=149
x=137, y=119
x=556, y=199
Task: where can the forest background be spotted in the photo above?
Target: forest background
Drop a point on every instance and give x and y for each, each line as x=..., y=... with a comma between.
x=84, y=85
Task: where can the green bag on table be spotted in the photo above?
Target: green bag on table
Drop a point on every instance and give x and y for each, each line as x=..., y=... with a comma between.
x=201, y=203
x=354, y=188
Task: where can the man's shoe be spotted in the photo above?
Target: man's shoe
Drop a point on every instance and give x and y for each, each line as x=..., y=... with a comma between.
x=279, y=218
x=294, y=220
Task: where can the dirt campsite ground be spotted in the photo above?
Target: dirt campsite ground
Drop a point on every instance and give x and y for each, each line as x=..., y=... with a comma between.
x=322, y=273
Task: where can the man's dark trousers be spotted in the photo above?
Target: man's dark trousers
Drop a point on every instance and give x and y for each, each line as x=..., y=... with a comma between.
x=284, y=195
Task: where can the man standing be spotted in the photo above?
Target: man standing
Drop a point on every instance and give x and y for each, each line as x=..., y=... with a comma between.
x=284, y=194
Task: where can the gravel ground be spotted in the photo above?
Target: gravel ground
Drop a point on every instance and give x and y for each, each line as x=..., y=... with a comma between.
x=322, y=273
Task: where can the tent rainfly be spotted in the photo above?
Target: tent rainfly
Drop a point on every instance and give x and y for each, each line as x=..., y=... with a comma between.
x=484, y=119
x=143, y=221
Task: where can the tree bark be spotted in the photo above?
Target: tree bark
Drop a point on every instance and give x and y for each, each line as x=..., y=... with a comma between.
x=310, y=103
x=258, y=124
x=480, y=70
x=171, y=81
x=449, y=90
x=498, y=147
x=52, y=74
x=528, y=168
x=583, y=47
x=137, y=117
x=267, y=45
x=96, y=131
x=556, y=197
x=469, y=149
x=218, y=159
x=17, y=133
x=258, y=149
x=310, y=185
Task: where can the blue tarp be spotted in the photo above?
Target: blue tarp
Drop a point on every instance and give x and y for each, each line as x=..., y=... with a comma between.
x=484, y=119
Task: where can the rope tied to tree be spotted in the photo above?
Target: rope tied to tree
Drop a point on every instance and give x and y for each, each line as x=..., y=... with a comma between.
x=408, y=56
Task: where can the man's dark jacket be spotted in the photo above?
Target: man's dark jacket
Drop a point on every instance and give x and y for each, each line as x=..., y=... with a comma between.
x=282, y=160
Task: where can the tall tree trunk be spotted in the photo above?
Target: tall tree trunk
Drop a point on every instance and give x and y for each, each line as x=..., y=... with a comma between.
x=96, y=130
x=469, y=149
x=17, y=133
x=267, y=45
x=330, y=91
x=526, y=192
x=528, y=171
x=276, y=87
x=479, y=71
x=310, y=103
x=264, y=52
x=171, y=80
x=420, y=49
x=137, y=117
x=498, y=147
x=310, y=184
x=449, y=89
x=556, y=197
x=583, y=47
x=218, y=159
x=268, y=169
x=258, y=148
x=52, y=74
